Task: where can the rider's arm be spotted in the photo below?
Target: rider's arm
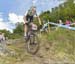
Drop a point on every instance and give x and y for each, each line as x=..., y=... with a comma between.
x=24, y=18
x=39, y=20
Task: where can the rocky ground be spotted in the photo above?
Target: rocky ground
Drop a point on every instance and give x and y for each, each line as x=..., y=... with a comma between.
x=14, y=52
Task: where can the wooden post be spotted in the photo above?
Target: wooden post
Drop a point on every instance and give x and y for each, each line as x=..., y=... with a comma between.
x=48, y=27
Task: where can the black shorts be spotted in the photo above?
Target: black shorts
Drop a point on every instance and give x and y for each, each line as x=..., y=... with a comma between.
x=29, y=18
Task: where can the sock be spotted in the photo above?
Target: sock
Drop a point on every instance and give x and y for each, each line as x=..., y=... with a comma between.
x=25, y=34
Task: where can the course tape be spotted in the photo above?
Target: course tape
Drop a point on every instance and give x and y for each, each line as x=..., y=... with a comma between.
x=59, y=25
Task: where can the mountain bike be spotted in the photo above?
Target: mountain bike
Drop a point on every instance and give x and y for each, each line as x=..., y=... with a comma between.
x=32, y=41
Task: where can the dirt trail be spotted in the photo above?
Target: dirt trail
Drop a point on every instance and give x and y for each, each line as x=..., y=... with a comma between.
x=19, y=55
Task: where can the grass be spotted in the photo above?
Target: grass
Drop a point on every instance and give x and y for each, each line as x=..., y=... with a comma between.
x=64, y=43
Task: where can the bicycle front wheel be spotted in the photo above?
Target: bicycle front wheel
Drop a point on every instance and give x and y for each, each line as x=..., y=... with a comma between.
x=33, y=44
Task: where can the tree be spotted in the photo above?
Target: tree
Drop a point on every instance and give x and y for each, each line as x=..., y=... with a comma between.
x=19, y=29
x=6, y=32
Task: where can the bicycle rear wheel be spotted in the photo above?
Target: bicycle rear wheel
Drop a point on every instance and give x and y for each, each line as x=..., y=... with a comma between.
x=33, y=44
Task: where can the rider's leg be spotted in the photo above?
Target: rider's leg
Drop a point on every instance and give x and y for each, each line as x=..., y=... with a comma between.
x=25, y=25
x=28, y=20
x=25, y=29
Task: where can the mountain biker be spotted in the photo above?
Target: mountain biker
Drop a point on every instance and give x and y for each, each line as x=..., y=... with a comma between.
x=28, y=19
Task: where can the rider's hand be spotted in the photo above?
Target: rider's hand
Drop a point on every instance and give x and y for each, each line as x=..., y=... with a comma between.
x=40, y=26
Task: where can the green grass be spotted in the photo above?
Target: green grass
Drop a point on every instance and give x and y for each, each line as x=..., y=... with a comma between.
x=64, y=42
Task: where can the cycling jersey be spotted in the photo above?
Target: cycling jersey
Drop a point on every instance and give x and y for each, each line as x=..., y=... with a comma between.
x=29, y=15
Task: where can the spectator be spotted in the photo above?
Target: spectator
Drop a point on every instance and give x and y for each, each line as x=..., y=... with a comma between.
x=68, y=22
x=60, y=22
x=2, y=38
